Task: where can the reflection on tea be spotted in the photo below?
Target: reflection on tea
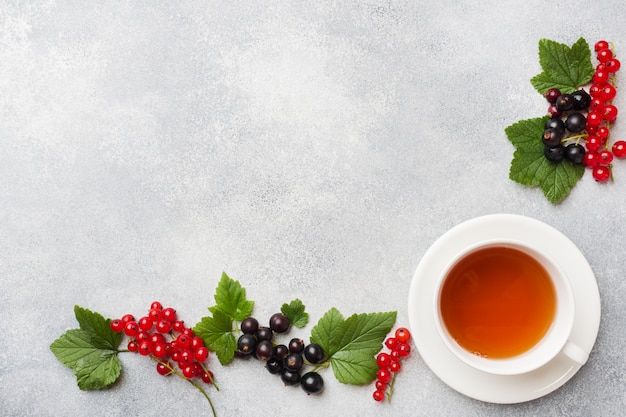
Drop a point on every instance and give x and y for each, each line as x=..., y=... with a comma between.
x=497, y=302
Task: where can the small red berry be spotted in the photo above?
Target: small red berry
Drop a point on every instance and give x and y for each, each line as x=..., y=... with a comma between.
x=609, y=112
x=190, y=371
x=197, y=342
x=594, y=118
x=606, y=157
x=117, y=325
x=593, y=143
x=384, y=375
x=595, y=90
x=603, y=133
x=157, y=338
x=201, y=354
x=613, y=65
x=128, y=317
x=403, y=334
x=391, y=343
x=619, y=149
x=608, y=92
x=131, y=328
x=186, y=357
x=145, y=348
x=159, y=350
x=178, y=326
x=155, y=315
x=156, y=306
x=145, y=323
x=168, y=314
x=381, y=385
x=141, y=336
x=596, y=104
x=379, y=395
x=602, y=44
x=601, y=173
x=552, y=94
x=207, y=377
x=591, y=159
x=163, y=326
x=383, y=360
x=601, y=77
x=132, y=346
x=164, y=368
x=604, y=55
x=395, y=366
x=404, y=349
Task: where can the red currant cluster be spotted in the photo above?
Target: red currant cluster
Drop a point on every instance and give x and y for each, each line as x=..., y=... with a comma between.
x=592, y=129
x=164, y=338
x=389, y=363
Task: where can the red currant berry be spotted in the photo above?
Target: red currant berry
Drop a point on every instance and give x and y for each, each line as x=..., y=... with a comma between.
x=609, y=112
x=384, y=375
x=601, y=173
x=197, y=342
x=156, y=306
x=132, y=346
x=201, y=354
x=155, y=315
x=553, y=111
x=395, y=367
x=183, y=341
x=145, y=348
x=128, y=317
x=164, y=368
x=383, y=360
x=613, y=65
x=601, y=77
x=619, y=149
x=145, y=323
x=141, y=336
x=593, y=143
x=131, y=329
x=207, y=377
x=403, y=334
x=168, y=314
x=163, y=326
x=594, y=118
x=379, y=395
x=159, y=350
x=404, y=349
x=603, y=133
x=117, y=325
x=381, y=385
x=395, y=355
x=595, y=90
x=596, y=104
x=604, y=55
x=157, y=338
x=606, y=157
x=189, y=333
x=175, y=355
x=186, y=357
x=602, y=44
x=178, y=326
x=608, y=92
x=189, y=371
x=591, y=159
x=391, y=343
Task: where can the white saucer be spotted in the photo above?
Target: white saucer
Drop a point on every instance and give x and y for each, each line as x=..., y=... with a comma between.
x=501, y=388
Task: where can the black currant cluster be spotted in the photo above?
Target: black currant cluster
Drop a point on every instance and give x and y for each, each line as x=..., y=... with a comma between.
x=566, y=120
x=288, y=361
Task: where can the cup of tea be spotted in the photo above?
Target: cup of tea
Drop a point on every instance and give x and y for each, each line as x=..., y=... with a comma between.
x=504, y=307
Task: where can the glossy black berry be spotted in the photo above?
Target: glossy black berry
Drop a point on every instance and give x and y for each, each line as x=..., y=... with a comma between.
x=555, y=123
x=554, y=153
x=279, y=323
x=290, y=377
x=575, y=153
x=314, y=353
x=565, y=102
x=296, y=345
x=575, y=122
x=294, y=362
x=264, y=333
x=249, y=325
x=281, y=352
x=312, y=383
x=552, y=94
x=551, y=137
x=274, y=365
x=582, y=100
x=246, y=344
x=264, y=350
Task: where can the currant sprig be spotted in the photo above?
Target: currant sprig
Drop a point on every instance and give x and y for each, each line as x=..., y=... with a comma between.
x=389, y=363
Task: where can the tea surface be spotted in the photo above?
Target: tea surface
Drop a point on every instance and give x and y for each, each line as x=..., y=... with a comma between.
x=498, y=302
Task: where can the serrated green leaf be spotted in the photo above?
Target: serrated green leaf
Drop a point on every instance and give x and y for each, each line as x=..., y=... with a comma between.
x=295, y=313
x=352, y=344
x=217, y=334
x=95, y=324
x=566, y=68
x=97, y=374
x=230, y=297
x=530, y=167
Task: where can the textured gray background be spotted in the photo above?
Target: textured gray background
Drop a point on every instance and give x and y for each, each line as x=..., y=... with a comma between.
x=309, y=149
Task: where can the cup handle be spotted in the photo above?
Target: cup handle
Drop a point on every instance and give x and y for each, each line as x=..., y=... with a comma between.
x=575, y=353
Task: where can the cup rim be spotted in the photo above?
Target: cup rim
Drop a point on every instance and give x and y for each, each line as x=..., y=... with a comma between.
x=550, y=344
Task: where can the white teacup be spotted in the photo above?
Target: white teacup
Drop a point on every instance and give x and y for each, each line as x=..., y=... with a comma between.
x=556, y=337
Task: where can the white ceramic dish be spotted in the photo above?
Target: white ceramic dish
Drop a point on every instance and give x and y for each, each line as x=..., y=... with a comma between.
x=476, y=384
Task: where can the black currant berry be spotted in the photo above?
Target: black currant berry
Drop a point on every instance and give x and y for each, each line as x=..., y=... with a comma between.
x=281, y=352
x=554, y=153
x=552, y=94
x=290, y=377
x=249, y=325
x=575, y=122
x=551, y=137
x=582, y=100
x=274, y=365
x=312, y=383
x=553, y=111
x=279, y=323
x=314, y=353
x=246, y=344
x=296, y=345
x=264, y=333
x=264, y=350
x=555, y=123
x=294, y=362
x=565, y=102
x=575, y=153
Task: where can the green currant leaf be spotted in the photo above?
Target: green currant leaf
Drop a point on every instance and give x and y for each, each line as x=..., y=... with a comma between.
x=352, y=344
x=295, y=313
x=91, y=351
x=230, y=297
x=566, y=68
x=217, y=333
x=530, y=167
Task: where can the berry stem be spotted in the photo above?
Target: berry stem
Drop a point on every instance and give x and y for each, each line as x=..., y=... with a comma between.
x=175, y=371
x=390, y=391
x=210, y=376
